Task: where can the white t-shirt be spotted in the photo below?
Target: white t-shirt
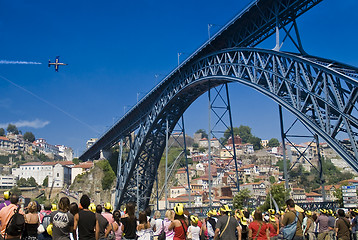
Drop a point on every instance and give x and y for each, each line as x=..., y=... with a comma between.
x=158, y=226
x=195, y=232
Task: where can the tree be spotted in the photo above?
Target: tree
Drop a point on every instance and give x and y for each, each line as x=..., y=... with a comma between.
x=2, y=132
x=11, y=128
x=256, y=141
x=203, y=133
x=45, y=182
x=279, y=193
x=29, y=136
x=245, y=133
x=30, y=182
x=227, y=133
x=241, y=199
x=273, y=142
x=77, y=160
x=108, y=174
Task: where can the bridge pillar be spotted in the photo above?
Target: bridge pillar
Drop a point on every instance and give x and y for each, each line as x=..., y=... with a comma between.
x=105, y=154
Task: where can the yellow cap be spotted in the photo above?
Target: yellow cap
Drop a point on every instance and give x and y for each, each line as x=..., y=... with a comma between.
x=54, y=207
x=108, y=206
x=323, y=210
x=271, y=211
x=272, y=218
x=282, y=212
x=244, y=221
x=298, y=208
x=194, y=219
x=225, y=208
x=7, y=195
x=49, y=229
x=92, y=207
x=179, y=209
x=308, y=213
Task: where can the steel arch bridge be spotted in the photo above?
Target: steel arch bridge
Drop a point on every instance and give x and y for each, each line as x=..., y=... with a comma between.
x=319, y=92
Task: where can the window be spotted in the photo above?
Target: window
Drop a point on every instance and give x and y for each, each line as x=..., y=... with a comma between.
x=58, y=174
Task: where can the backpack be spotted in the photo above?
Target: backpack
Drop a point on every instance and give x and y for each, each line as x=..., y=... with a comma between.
x=16, y=224
x=46, y=220
x=289, y=231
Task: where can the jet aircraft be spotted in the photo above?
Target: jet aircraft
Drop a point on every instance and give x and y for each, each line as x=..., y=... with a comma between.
x=56, y=63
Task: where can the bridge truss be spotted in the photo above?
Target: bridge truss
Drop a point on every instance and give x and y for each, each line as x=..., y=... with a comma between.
x=321, y=93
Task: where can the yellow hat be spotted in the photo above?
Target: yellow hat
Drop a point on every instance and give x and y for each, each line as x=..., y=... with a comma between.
x=308, y=213
x=54, y=207
x=281, y=212
x=272, y=218
x=7, y=195
x=225, y=208
x=355, y=210
x=92, y=207
x=49, y=229
x=244, y=221
x=298, y=208
x=323, y=210
x=179, y=209
x=239, y=214
x=194, y=219
x=108, y=206
x=271, y=211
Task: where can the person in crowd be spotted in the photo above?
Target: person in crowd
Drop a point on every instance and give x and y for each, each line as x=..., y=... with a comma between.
x=116, y=226
x=194, y=230
x=86, y=220
x=273, y=226
x=144, y=229
x=169, y=217
x=179, y=225
x=5, y=215
x=63, y=221
x=108, y=212
x=342, y=226
x=309, y=230
x=354, y=223
x=129, y=222
x=322, y=221
x=227, y=226
x=44, y=217
x=158, y=225
x=331, y=224
x=211, y=223
x=258, y=229
x=102, y=223
x=6, y=200
x=243, y=224
x=151, y=220
x=290, y=216
x=74, y=209
x=31, y=222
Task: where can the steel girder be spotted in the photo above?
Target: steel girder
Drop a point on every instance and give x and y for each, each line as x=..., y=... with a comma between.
x=321, y=93
x=247, y=29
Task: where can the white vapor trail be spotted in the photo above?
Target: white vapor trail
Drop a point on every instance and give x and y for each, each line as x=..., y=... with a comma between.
x=17, y=62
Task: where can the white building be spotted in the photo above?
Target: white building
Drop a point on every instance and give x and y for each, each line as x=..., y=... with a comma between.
x=65, y=152
x=7, y=181
x=80, y=168
x=90, y=142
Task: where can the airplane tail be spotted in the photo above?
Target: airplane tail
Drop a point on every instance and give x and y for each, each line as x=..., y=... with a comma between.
x=49, y=61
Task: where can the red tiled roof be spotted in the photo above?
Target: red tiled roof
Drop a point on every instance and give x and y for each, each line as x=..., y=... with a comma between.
x=4, y=138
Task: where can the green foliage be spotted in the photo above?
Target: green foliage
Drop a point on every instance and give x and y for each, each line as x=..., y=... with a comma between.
x=278, y=193
x=2, y=132
x=45, y=182
x=11, y=128
x=256, y=141
x=203, y=133
x=108, y=174
x=195, y=145
x=272, y=179
x=16, y=190
x=241, y=199
x=273, y=142
x=30, y=182
x=339, y=195
x=245, y=133
x=280, y=164
x=202, y=149
x=29, y=136
x=227, y=133
x=76, y=161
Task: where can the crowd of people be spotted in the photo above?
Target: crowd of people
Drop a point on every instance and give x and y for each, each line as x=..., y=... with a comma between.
x=86, y=220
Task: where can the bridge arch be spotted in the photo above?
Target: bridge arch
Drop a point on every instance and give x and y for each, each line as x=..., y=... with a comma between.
x=320, y=92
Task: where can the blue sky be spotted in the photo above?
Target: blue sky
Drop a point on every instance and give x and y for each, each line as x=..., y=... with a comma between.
x=114, y=50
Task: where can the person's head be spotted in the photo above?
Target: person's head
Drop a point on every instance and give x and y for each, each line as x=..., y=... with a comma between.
x=142, y=217
x=64, y=204
x=314, y=216
x=290, y=203
x=148, y=211
x=130, y=209
x=108, y=207
x=225, y=209
x=179, y=211
x=353, y=213
x=73, y=208
x=117, y=216
x=157, y=214
x=258, y=215
x=341, y=213
x=14, y=199
x=47, y=206
x=169, y=214
x=32, y=207
x=99, y=209
x=194, y=220
x=85, y=201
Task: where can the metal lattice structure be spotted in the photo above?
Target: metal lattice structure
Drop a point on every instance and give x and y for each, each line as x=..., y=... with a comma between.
x=321, y=93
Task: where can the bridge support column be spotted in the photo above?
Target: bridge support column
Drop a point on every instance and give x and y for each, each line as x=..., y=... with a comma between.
x=105, y=154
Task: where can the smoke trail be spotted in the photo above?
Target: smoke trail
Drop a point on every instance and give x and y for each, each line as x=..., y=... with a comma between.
x=17, y=62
